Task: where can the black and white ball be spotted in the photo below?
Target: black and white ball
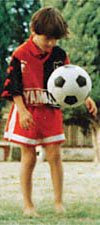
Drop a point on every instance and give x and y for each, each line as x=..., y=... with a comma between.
x=70, y=85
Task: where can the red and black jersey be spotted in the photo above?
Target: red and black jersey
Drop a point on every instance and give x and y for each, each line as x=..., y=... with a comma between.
x=29, y=72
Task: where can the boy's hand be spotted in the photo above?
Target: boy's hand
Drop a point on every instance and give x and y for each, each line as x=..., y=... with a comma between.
x=91, y=106
x=26, y=119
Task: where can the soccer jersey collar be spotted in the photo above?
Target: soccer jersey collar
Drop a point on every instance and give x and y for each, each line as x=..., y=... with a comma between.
x=36, y=51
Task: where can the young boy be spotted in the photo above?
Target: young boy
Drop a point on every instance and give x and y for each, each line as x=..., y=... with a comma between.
x=34, y=118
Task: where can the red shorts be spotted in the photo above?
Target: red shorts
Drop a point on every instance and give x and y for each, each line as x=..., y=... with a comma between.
x=48, y=127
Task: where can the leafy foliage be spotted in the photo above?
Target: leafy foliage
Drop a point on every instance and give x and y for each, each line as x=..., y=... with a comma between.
x=58, y=4
x=83, y=46
x=14, y=27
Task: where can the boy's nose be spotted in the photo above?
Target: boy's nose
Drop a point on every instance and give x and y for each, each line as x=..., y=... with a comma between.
x=51, y=43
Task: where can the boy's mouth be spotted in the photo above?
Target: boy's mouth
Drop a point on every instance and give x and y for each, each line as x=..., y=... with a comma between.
x=48, y=48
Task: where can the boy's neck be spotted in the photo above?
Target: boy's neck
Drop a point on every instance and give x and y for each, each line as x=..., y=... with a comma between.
x=37, y=45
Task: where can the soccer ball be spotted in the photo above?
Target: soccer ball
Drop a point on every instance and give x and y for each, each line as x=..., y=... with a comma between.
x=69, y=85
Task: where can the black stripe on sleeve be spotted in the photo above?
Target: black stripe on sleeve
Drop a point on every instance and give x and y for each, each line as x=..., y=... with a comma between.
x=13, y=82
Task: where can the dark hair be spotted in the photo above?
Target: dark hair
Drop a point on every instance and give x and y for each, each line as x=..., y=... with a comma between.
x=48, y=21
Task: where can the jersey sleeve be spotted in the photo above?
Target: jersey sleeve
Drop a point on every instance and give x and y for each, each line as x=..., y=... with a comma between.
x=13, y=82
x=67, y=60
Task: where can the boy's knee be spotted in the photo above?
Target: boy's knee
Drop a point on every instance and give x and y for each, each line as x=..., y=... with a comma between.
x=28, y=156
x=53, y=154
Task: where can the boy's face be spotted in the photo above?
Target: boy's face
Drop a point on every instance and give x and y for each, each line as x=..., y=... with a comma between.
x=43, y=42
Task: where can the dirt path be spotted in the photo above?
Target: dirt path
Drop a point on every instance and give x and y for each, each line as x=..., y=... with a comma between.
x=81, y=181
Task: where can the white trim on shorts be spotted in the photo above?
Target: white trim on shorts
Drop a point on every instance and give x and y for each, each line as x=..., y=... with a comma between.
x=12, y=123
x=23, y=140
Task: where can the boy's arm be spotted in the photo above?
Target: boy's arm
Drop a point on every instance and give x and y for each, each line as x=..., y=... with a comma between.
x=91, y=106
x=13, y=90
x=25, y=117
x=13, y=81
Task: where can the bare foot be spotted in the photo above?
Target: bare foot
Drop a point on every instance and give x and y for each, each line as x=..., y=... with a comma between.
x=60, y=208
x=31, y=212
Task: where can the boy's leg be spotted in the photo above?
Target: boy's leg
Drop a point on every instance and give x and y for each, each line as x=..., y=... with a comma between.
x=54, y=159
x=28, y=160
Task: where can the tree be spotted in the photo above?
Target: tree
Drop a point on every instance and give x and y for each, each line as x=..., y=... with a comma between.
x=83, y=46
x=14, y=28
x=57, y=4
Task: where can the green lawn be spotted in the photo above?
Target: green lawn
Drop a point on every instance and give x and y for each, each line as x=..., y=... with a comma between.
x=76, y=214
x=81, y=195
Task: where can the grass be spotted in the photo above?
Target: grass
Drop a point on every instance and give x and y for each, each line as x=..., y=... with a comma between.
x=77, y=213
x=81, y=195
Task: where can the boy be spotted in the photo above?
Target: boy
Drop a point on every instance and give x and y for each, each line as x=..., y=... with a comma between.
x=34, y=118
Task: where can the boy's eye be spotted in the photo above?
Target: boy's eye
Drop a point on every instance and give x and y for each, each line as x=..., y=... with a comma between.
x=50, y=39
x=47, y=39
